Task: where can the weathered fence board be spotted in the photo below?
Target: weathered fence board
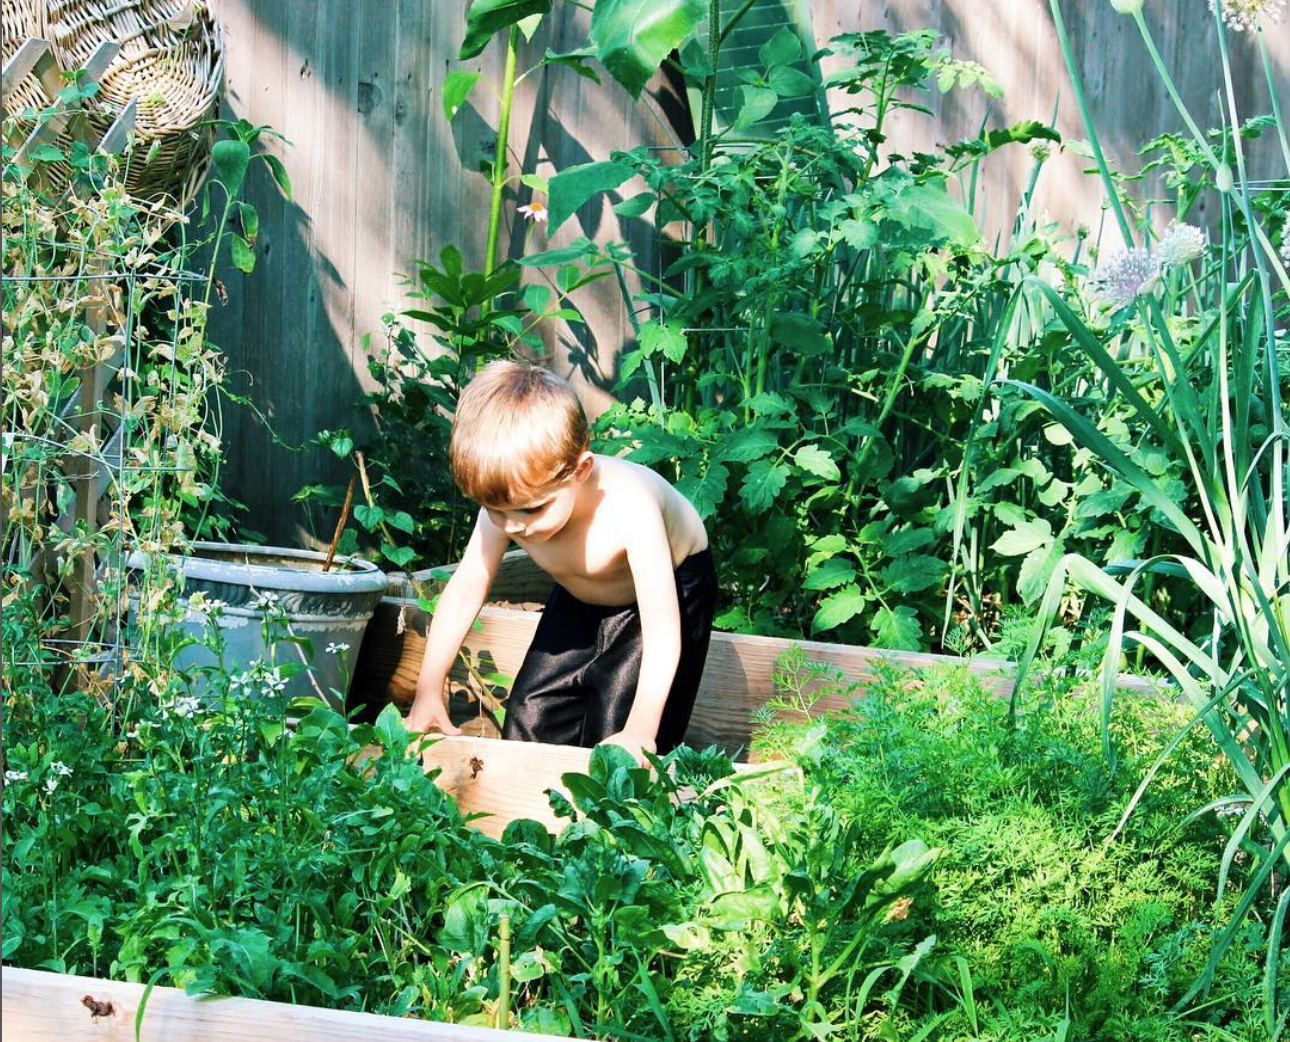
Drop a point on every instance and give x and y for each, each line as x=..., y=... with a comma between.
x=380, y=178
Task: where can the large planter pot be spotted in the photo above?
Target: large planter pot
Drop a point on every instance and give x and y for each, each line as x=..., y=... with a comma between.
x=331, y=609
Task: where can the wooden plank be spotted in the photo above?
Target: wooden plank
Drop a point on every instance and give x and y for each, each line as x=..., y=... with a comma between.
x=118, y=134
x=97, y=63
x=23, y=62
x=506, y=781
x=51, y=1007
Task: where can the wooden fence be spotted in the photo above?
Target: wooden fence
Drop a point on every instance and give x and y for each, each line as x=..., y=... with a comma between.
x=380, y=178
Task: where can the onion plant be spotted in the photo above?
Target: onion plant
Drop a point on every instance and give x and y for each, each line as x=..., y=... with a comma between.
x=1215, y=404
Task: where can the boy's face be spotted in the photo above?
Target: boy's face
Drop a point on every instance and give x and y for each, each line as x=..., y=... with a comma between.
x=547, y=512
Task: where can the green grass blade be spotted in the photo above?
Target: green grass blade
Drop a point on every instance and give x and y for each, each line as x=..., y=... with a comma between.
x=1273, y=963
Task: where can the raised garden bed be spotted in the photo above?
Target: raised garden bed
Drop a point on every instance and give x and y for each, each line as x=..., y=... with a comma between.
x=736, y=683
x=501, y=783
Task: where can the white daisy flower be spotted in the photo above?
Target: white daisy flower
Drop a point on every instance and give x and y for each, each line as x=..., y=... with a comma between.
x=535, y=211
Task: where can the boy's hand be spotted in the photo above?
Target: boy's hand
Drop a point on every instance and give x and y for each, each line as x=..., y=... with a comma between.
x=636, y=744
x=433, y=718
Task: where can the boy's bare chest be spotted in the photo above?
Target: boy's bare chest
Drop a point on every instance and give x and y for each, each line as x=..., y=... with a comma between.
x=593, y=569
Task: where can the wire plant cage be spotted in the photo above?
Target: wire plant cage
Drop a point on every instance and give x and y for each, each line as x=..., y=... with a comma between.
x=84, y=475
x=106, y=378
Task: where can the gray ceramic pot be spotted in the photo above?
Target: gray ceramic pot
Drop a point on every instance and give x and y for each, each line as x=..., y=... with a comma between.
x=331, y=609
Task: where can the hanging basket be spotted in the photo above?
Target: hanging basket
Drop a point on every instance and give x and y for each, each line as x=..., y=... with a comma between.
x=171, y=63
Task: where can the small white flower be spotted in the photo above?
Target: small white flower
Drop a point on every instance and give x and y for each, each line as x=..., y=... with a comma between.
x=534, y=211
x=274, y=681
x=1182, y=244
x=60, y=768
x=242, y=681
x=132, y=733
x=51, y=784
x=197, y=602
x=1126, y=278
x=336, y=649
x=13, y=776
x=265, y=602
x=185, y=706
x=1240, y=15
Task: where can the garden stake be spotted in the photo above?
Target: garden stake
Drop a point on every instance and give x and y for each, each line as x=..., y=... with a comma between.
x=504, y=971
x=340, y=525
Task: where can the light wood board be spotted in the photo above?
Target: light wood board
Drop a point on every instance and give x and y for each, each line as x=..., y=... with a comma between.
x=506, y=781
x=49, y=1007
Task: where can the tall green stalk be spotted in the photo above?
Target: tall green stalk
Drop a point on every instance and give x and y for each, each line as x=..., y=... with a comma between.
x=710, y=85
x=499, y=160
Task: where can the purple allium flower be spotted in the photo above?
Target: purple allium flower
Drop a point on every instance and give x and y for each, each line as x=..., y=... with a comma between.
x=1126, y=278
x=1240, y=15
x=1182, y=244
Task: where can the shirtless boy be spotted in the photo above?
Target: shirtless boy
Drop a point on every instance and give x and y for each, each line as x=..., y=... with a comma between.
x=620, y=647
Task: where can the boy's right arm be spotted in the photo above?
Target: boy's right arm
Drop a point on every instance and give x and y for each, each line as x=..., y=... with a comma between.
x=459, y=603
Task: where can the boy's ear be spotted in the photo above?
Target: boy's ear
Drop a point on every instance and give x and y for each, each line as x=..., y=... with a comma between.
x=582, y=470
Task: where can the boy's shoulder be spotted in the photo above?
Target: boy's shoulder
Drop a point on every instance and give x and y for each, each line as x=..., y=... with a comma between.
x=628, y=483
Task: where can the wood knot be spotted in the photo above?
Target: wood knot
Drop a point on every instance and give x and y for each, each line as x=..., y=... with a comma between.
x=476, y=765
x=97, y=1007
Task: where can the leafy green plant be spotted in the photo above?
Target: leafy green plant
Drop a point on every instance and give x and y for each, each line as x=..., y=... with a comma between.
x=1040, y=916
x=631, y=38
x=1231, y=659
x=819, y=353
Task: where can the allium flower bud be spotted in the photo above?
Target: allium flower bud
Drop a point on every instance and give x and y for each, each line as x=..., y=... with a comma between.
x=1223, y=178
x=1127, y=6
x=1182, y=244
x=1240, y=15
x=1126, y=278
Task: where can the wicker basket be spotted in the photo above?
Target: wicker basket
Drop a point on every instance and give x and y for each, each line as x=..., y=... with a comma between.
x=171, y=63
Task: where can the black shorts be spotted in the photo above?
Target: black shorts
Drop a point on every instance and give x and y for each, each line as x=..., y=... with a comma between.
x=578, y=679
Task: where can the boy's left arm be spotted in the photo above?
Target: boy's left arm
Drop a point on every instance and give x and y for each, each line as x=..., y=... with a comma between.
x=650, y=557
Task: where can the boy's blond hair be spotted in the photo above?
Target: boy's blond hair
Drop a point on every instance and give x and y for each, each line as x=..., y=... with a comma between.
x=518, y=428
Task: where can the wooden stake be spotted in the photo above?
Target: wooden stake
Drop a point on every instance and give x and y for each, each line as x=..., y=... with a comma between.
x=340, y=525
